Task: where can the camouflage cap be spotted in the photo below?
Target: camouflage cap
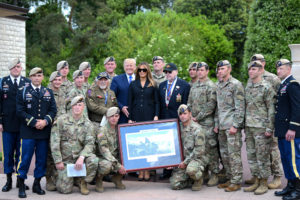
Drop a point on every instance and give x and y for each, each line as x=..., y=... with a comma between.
x=54, y=75
x=61, y=64
x=109, y=59
x=283, y=62
x=182, y=108
x=102, y=75
x=155, y=58
x=35, y=70
x=13, y=63
x=170, y=67
x=84, y=65
x=255, y=63
x=257, y=57
x=222, y=63
x=77, y=99
x=193, y=65
x=76, y=74
x=112, y=111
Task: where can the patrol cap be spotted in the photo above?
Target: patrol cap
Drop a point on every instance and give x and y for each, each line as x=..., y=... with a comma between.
x=222, y=63
x=193, y=65
x=255, y=63
x=35, y=70
x=109, y=59
x=182, y=108
x=257, y=57
x=102, y=75
x=170, y=67
x=155, y=58
x=54, y=75
x=84, y=65
x=76, y=74
x=77, y=99
x=202, y=64
x=61, y=64
x=112, y=111
x=13, y=63
x=283, y=62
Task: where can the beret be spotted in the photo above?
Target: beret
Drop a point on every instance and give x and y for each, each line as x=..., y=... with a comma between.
x=54, y=75
x=257, y=57
x=76, y=74
x=157, y=58
x=255, y=63
x=193, y=65
x=61, y=64
x=84, y=65
x=13, y=63
x=77, y=99
x=35, y=70
x=109, y=59
x=283, y=62
x=112, y=111
x=182, y=108
x=222, y=63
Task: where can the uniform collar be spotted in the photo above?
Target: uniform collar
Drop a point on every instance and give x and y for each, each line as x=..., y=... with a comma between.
x=286, y=78
x=13, y=79
x=35, y=87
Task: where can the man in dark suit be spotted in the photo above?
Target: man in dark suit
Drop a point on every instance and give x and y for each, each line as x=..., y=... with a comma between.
x=36, y=110
x=172, y=93
x=287, y=129
x=9, y=123
x=120, y=85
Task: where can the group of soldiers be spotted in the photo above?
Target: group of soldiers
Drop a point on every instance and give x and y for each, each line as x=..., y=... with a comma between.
x=76, y=123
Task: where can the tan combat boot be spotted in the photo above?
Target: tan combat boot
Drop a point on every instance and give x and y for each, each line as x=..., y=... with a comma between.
x=275, y=183
x=224, y=185
x=233, y=187
x=117, y=180
x=213, y=181
x=250, y=181
x=83, y=187
x=197, y=184
x=263, y=187
x=253, y=187
x=50, y=186
x=99, y=184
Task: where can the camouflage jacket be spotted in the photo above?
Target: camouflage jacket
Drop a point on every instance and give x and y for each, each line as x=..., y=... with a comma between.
x=71, y=139
x=230, y=104
x=95, y=101
x=74, y=91
x=108, y=145
x=203, y=101
x=260, y=109
x=86, y=86
x=193, y=142
x=59, y=97
x=66, y=86
x=272, y=79
x=159, y=78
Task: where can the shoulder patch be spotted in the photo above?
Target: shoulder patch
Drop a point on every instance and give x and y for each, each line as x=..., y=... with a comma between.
x=294, y=81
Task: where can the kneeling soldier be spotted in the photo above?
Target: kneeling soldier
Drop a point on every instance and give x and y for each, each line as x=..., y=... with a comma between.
x=107, y=145
x=193, y=142
x=72, y=142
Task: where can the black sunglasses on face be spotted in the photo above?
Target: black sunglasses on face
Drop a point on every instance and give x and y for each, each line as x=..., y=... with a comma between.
x=142, y=70
x=168, y=72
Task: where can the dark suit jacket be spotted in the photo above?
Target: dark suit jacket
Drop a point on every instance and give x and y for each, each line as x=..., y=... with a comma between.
x=179, y=96
x=120, y=86
x=288, y=108
x=143, y=102
x=32, y=106
x=8, y=94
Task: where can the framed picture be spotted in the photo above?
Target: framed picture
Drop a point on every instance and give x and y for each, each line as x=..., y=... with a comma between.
x=150, y=145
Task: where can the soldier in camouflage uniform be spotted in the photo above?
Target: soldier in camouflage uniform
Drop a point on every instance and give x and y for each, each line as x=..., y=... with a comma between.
x=72, y=142
x=158, y=66
x=108, y=151
x=110, y=65
x=202, y=101
x=259, y=127
x=99, y=99
x=193, y=74
x=229, y=122
x=195, y=160
x=276, y=166
x=86, y=68
x=63, y=68
x=55, y=83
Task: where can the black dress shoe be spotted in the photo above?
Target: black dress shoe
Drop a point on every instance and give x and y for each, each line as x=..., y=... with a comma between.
x=287, y=190
x=22, y=193
x=36, y=188
x=8, y=184
x=295, y=194
x=17, y=185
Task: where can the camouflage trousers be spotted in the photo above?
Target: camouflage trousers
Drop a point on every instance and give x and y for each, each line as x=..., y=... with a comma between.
x=64, y=184
x=51, y=171
x=230, y=148
x=105, y=167
x=211, y=147
x=276, y=165
x=258, y=151
x=182, y=178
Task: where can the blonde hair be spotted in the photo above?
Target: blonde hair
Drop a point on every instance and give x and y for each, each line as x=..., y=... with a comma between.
x=149, y=74
x=129, y=60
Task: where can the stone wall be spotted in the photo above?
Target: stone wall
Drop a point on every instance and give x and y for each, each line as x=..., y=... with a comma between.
x=12, y=43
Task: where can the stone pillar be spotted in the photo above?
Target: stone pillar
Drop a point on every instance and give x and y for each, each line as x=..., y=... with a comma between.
x=295, y=55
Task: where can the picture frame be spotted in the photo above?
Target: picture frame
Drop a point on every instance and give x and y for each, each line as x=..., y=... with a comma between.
x=150, y=145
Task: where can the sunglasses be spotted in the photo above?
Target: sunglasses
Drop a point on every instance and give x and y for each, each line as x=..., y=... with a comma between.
x=142, y=70
x=168, y=72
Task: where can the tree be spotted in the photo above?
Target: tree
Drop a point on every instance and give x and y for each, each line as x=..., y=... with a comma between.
x=179, y=38
x=273, y=25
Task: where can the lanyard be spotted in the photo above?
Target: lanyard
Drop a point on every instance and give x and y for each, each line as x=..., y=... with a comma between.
x=106, y=95
x=169, y=91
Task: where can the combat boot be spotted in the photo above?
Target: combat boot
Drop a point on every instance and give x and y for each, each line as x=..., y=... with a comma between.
x=22, y=193
x=50, y=186
x=224, y=185
x=197, y=184
x=275, y=183
x=253, y=187
x=250, y=181
x=17, y=185
x=263, y=186
x=117, y=180
x=233, y=187
x=36, y=187
x=8, y=184
x=287, y=190
x=295, y=194
x=99, y=184
x=83, y=187
x=213, y=181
